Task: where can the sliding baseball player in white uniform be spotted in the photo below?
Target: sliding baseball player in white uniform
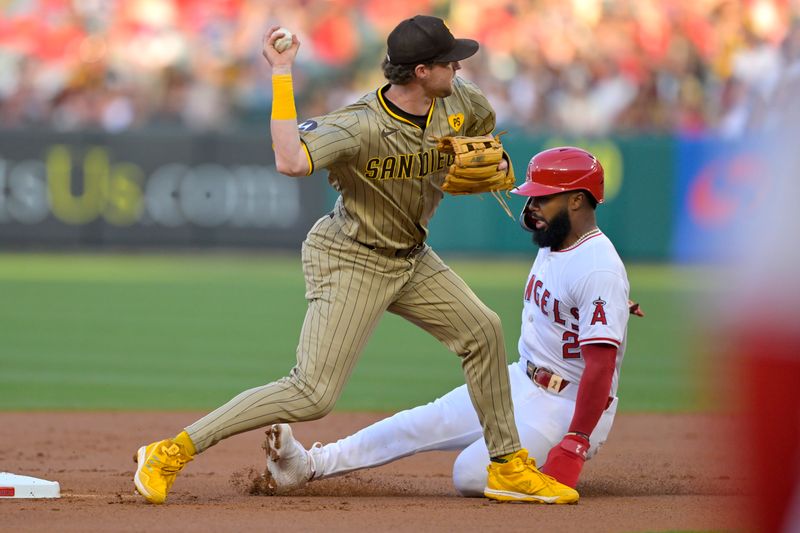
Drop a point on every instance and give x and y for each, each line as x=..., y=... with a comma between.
x=574, y=324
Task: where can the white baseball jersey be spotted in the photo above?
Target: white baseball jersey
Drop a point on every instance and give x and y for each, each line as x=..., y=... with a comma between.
x=575, y=296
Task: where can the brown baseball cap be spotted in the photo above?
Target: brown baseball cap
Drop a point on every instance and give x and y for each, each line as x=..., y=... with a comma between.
x=425, y=39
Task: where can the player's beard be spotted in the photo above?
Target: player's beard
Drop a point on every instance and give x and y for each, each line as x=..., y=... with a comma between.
x=552, y=236
x=451, y=86
x=445, y=91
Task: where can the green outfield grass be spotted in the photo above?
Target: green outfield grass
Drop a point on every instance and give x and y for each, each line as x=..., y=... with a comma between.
x=191, y=331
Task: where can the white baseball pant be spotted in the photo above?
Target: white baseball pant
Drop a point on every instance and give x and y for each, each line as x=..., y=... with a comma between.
x=450, y=423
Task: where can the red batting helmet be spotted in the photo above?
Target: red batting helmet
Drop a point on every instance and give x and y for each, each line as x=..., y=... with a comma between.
x=562, y=169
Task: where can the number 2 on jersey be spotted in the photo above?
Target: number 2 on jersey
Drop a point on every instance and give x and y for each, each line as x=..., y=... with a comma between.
x=570, y=349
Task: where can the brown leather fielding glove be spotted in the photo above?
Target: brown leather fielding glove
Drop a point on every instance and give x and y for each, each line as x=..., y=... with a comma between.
x=475, y=167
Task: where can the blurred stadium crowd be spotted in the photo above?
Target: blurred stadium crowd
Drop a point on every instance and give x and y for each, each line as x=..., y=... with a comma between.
x=583, y=67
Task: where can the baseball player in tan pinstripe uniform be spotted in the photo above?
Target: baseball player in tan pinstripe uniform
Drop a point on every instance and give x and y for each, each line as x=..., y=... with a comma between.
x=369, y=255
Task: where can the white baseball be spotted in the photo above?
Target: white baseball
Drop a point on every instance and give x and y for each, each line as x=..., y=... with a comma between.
x=284, y=42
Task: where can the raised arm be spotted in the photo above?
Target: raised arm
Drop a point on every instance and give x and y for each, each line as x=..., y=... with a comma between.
x=291, y=157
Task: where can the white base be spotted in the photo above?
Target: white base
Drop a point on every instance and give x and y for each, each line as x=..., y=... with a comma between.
x=16, y=486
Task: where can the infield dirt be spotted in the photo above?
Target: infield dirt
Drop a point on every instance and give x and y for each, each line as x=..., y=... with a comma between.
x=656, y=473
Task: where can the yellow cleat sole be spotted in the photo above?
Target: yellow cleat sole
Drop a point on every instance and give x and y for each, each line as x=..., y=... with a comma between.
x=506, y=496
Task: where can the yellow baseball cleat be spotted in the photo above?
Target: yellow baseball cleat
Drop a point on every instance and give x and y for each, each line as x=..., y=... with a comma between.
x=158, y=464
x=518, y=480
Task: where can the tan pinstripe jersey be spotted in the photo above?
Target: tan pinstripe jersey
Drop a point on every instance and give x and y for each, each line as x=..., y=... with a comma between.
x=387, y=169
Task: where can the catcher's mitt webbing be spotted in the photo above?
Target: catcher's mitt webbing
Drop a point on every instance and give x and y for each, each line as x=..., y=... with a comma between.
x=474, y=169
x=473, y=152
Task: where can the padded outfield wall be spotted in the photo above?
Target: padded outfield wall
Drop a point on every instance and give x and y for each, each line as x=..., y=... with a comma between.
x=158, y=189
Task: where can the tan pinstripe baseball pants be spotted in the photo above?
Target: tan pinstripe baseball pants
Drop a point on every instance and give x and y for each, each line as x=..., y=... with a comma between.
x=348, y=287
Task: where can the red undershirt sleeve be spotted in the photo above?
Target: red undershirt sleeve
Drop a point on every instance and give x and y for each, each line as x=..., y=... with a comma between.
x=594, y=386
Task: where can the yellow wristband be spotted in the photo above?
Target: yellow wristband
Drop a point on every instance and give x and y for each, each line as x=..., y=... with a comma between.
x=283, y=98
